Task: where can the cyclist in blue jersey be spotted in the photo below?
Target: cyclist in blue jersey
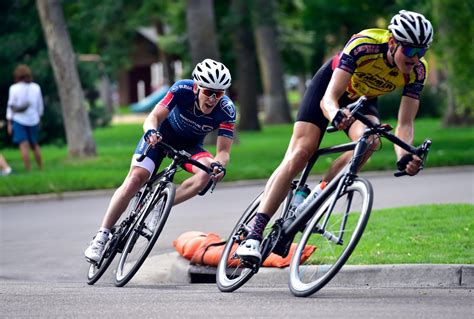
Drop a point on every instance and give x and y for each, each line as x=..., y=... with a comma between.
x=190, y=110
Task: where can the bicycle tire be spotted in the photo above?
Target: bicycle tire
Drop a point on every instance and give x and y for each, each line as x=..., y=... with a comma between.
x=327, y=259
x=135, y=252
x=96, y=270
x=231, y=272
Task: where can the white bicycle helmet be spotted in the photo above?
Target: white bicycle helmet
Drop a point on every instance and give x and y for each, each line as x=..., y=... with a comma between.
x=411, y=28
x=212, y=75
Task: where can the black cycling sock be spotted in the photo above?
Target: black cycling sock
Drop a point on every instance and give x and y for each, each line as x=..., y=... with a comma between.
x=261, y=220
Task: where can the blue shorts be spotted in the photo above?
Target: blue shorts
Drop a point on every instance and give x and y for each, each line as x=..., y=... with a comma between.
x=23, y=133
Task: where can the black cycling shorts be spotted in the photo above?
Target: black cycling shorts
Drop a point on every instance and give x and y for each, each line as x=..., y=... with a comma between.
x=310, y=108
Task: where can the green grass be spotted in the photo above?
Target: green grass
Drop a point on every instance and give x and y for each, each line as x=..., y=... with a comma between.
x=435, y=234
x=255, y=157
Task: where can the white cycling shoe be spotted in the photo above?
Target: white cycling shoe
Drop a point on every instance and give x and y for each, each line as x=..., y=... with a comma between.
x=249, y=250
x=95, y=250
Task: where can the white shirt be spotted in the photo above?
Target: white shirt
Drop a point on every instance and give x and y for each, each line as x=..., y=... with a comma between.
x=18, y=94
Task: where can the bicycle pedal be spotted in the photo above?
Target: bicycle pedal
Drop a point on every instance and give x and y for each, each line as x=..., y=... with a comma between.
x=251, y=265
x=90, y=261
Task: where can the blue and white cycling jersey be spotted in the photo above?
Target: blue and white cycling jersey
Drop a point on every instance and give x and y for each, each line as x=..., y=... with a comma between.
x=190, y=123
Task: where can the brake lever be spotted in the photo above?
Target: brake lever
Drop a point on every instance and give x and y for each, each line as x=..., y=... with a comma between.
x=422, y=151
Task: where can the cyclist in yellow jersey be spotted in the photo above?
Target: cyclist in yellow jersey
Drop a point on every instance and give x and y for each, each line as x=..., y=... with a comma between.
x=374, y=62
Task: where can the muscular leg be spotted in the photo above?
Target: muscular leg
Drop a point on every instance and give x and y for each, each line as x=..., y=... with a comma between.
x=193, y=185
x=304, y=142
x=355, y=132
x=135, y=179
x=25, y=154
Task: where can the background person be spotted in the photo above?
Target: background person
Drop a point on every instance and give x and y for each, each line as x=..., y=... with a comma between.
x=190, y=110
x=5, y=169
x=374, y=62
x=24, y=111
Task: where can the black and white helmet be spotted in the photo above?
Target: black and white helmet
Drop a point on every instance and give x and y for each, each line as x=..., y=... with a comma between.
x=212, y=75
x=411, y=28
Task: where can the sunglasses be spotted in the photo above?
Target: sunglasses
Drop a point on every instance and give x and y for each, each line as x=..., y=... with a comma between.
x=209, y=92
x=410, y=51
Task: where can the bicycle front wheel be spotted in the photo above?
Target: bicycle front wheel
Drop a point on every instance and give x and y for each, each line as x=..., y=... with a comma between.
x=330, y=238
x=144, y=234
x=96, y=270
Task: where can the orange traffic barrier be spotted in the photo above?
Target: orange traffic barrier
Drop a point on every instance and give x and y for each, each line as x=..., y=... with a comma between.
x=207, y=249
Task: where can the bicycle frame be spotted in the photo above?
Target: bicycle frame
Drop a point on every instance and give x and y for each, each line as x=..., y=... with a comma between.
x=345, y=177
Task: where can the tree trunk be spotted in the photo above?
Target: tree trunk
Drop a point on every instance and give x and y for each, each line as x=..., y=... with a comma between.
x=76, y=120
x=275, y=101
x=165, y=59
x=201, y=28
x=246, y=64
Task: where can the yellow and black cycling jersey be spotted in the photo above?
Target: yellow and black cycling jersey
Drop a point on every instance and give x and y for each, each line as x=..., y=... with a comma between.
x=365, y=57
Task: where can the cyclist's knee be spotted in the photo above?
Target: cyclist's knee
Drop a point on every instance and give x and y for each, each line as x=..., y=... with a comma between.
x=133, y=183
x=298, y=158
x=374, y=142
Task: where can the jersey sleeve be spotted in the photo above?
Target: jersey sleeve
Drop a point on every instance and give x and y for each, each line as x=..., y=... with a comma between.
x=359, y=46
x=227, y=126
x=414, y=87
x=177, y=94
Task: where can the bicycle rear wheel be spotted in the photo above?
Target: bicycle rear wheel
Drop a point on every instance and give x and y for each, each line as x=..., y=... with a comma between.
x=144, y=234
x=232, y=273
x=322, y=251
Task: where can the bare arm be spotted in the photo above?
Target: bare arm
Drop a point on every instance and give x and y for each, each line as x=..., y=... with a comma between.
x=405, y=126
x=337, y=86
x=223, y=147
x=155, y=118
x=405, y=131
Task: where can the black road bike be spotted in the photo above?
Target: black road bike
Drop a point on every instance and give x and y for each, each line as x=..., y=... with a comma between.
x=138, y=232
x=327, y=227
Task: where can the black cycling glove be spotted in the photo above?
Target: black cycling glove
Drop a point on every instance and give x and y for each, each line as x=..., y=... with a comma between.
x=338, y=118
x=403, y=162
x=219, y=167
x=149, y=133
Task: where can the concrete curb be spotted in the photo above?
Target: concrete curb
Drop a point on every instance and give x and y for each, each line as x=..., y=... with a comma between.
x=173, y=268
x=243, y=183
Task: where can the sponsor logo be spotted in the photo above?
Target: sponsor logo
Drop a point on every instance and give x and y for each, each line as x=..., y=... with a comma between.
x=228, y=107
x=195, y=125
x=420, y=71
x=186, y=87
x=207, y=128
x=374, y=81
x=367, y=48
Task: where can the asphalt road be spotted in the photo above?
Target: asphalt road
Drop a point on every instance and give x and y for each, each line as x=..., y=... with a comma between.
x=42, y=268
x=43, y=237
x=73, y=300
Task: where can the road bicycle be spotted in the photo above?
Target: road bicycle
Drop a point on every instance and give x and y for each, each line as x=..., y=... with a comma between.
x=327, y=227
x=138, y=232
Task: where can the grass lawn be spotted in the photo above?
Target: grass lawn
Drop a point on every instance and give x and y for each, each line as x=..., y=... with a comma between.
x=426, y=234
x=436, y=234
x=254, y=156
